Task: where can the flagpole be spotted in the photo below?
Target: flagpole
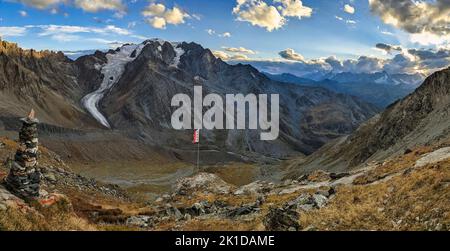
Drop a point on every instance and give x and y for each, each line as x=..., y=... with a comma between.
x=198, y=152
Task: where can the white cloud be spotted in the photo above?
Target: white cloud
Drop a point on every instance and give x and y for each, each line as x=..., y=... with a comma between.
x=12, y=31
x=427, y=22
x=67, y=33
x=113, y=44
x=52, y=29
x=23, y=13
x=157, y=22
x=196, y=17
x=86, y=5
x=388, y=33
x=119, y=14
x=41, y=4
x=132, y=24
x=230, y=57
x=258, y=13
x=221, y=54
x=270, y=16
x=63, y=37
x=239, y=50
x=290, y=54
x=428, y=38
x=114, y=29
x=97, y=5
x=225, y=34
x=294, y=8
x=347, y=21
x=211, y=31
x=158, y=15
x=349, y=9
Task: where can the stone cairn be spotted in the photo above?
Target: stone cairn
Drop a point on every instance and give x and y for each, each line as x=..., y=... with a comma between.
x=24, y=177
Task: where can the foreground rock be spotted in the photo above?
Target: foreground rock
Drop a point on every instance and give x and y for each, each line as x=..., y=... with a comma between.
x=204, y=182
x=281, y=220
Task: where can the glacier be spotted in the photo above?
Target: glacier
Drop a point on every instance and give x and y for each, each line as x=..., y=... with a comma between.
x=112, y=71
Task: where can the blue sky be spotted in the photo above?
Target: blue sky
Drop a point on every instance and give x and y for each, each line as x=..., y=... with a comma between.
x=310, y=29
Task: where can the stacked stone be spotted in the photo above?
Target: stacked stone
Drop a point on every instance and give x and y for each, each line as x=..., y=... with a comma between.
x=24, y=177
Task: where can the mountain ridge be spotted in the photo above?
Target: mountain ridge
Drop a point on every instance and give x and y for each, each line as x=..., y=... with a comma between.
x=381, y=93
x=137, y=104
x=421, y=118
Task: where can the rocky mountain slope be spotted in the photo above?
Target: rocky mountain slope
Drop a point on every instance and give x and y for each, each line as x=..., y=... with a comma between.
x=108, y=113
x=139, y=102
x=410, y=192
x=129, y=90
x=422, y=118
x=44, y=80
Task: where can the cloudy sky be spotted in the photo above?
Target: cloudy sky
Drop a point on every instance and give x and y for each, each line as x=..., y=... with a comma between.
x=298, y=36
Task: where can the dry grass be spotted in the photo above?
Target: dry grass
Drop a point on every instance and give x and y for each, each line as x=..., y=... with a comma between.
x=223, y=225
x=411, y=201
x=42, y=220
x=398, y=164
x=235, y=173
x=415, y=199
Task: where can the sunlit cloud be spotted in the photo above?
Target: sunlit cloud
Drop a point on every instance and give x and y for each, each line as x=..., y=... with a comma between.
x=271, y=16
x=158, y=15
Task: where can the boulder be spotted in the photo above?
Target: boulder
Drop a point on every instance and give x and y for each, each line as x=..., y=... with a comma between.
x=304, y=201
x=278, y=219
x=326, y=191
x=243, y=210
x=139, y=221
x=203, y=181
x=255, y=188
x=320, y=200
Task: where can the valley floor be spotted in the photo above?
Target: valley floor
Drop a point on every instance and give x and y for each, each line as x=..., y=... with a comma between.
x=410, y=192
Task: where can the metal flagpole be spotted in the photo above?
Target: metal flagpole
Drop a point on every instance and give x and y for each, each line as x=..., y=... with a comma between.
x=198, y=152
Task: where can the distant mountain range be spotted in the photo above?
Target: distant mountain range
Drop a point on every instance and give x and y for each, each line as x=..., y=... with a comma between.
x=74, y=55
x=379, y=88
x=130, y=89
x=420, y=119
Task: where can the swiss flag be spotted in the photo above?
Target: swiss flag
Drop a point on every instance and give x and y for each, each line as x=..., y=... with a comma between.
x=196, y=138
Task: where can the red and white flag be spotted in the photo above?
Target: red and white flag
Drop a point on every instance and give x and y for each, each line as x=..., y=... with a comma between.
x=196, y=138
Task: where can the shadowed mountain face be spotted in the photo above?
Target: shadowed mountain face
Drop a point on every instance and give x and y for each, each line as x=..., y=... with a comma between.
x=44, y=80
x=419, y=119
x=135, y=88
x=139, y=103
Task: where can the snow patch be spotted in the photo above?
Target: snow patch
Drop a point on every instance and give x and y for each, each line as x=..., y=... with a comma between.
x=179, y=52
x=382, y=80
x=112, y=71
